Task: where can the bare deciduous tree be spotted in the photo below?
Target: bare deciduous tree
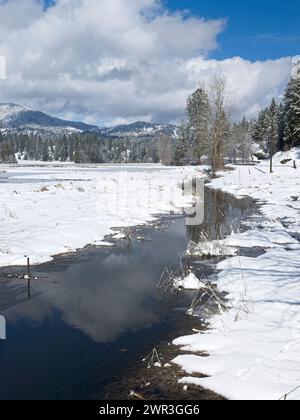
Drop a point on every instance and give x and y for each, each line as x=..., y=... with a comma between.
x=219, y=96
x=239, y=146
x=165, y=148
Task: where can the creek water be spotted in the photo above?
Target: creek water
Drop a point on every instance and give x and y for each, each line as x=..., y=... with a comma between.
x=95, y=314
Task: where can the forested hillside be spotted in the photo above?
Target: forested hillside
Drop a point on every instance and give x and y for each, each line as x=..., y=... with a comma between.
x=80, y=148
x=208, y=135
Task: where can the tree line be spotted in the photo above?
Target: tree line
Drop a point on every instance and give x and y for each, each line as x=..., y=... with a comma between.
x=79, y=148
x=209, y=136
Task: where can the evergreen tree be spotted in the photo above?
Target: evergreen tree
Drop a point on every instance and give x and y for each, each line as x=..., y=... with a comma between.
x=272, y=130
x=260, y=128
x=267, y=130
x=7, y=153
x=281, y=127
x=181, y=152
x=198, y=110
x=292, y=111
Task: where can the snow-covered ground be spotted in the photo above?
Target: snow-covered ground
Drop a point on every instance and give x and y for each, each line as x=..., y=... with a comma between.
x=45, y=211
x=254, y=347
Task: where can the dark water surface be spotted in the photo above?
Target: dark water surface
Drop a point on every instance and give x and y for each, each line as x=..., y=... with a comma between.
x=95, y=314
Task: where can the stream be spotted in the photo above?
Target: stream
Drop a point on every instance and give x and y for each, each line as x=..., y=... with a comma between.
x=94, y=315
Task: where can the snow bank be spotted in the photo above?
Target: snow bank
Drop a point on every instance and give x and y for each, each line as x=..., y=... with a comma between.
x=190, y=282
x=254, y=347
x=287, y=158
x=279, y=192
x=267, y=235
x=47, y=211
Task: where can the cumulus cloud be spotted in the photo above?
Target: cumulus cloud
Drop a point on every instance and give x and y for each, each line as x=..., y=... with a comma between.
x=122, y=60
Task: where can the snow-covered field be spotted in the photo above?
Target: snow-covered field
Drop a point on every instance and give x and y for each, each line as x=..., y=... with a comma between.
x=47, y=210
x=254, y=347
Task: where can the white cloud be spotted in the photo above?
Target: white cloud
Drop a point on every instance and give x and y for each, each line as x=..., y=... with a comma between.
x=252, y=85
x=116, y=60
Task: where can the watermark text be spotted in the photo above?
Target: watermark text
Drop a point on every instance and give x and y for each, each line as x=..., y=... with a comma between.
x=2, y=67
x=2, y=328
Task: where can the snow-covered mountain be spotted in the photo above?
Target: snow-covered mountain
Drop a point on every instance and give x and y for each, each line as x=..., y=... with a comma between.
x=17, y=119
x=139, y=129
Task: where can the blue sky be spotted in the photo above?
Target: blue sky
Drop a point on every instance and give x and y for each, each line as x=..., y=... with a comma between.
x=256, y=30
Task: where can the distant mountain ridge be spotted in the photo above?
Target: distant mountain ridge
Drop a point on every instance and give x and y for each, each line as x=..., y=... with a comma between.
x=18, y=119
x=139, y=128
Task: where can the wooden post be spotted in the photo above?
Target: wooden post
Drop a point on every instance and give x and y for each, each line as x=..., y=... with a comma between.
x=28, y=267
x=271, y=156
x=271, y=162
x=29, y=288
